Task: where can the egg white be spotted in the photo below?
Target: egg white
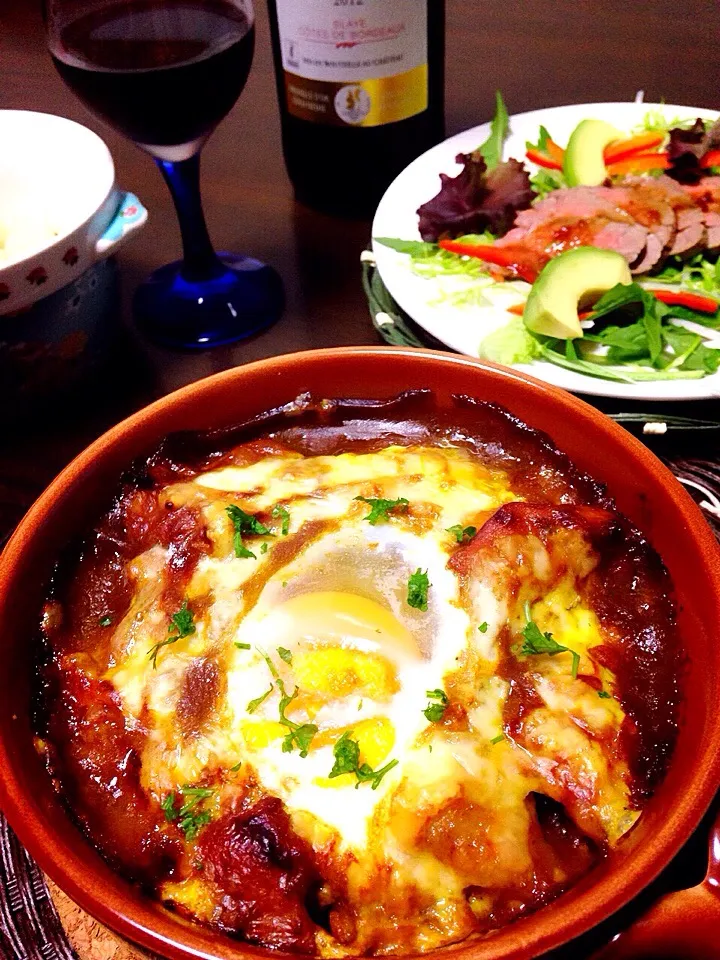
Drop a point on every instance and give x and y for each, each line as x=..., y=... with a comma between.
x=288, y=775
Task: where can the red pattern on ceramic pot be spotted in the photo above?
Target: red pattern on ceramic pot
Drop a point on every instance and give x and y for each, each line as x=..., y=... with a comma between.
x=61, y=210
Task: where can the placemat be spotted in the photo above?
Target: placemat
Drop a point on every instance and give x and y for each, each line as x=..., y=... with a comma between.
x=39, y=922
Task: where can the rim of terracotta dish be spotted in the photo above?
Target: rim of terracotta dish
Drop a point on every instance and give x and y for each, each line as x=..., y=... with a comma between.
x=552, y=926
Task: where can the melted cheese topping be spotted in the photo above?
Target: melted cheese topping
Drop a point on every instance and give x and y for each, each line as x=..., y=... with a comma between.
x=322, y=610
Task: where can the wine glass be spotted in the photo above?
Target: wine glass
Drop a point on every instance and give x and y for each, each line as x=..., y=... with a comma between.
x=165, y=73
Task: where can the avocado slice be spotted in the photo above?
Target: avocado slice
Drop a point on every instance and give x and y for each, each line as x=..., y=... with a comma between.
x=583, y=163
x=574, y=280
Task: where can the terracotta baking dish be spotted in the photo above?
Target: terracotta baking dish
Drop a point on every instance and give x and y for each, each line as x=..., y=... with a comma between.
x=643, y=488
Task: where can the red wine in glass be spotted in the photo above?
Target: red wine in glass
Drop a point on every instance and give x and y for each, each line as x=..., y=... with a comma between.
x=165, y=73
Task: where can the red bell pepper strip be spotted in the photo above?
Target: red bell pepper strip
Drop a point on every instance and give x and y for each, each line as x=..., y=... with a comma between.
x=638, y=163
x=711, y=159
x=542, y=160
x=509, y=257
x=682, y=298
x=553, y=155
x=675, y=298
x=622, y=149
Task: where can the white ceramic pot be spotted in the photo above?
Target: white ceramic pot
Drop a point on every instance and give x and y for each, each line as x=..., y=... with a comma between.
x=60, y=209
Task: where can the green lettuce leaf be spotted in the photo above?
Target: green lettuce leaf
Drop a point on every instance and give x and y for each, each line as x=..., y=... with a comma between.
x=430, y=260
x=621, y=374
x=700, y=273
x=416, y=248
x=655, y=121
x=628, y=343
x=491, y=150
x=702, y=358
x=645, y=347
x=685, y=313
x=542, y=141
x=545, y=181
x=510, y=344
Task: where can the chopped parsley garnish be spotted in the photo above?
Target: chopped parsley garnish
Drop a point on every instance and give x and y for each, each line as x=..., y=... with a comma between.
x=604, y=695
x=347, y=760
x=301, y=734
x=483, y=627
x=183, y=621
x=105, y=621
x=241, y=551
x=380, y=509
x=347, y=756
x=182, y=624
x=498, y=738
x=285, y=654
x=462, y=534
x=236, y=767
x=195, y=794
x=242, y=646
x=418, y=586
x=245, y=523
x=536, y=642
x=254, y=704
x=270, y=665
x=264, y=547
x=168, y=807
x=435, y=711
x=280, y=512
x=189, y=818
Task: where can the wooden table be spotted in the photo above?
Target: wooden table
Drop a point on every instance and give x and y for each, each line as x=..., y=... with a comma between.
x=539, y=52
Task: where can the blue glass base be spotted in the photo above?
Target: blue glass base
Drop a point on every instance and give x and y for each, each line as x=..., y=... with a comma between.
x=244, y=297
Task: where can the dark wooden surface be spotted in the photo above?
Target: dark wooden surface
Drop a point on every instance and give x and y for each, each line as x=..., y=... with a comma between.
x=539, y=52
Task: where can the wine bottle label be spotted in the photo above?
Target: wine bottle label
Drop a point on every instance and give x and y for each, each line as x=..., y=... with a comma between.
x=356, y=62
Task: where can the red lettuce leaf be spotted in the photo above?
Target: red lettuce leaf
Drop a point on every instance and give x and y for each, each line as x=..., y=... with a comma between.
x=475, y=200
x=686, y=149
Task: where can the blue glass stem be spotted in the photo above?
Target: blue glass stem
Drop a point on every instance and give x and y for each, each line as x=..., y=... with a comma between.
x=204, y=300
x=200, y=262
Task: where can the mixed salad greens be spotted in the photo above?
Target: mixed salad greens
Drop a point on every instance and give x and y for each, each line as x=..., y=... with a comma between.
x=664, y=327
x=634, y=337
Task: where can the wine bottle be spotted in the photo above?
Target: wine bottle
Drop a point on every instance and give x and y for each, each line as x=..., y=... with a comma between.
x=360, y=89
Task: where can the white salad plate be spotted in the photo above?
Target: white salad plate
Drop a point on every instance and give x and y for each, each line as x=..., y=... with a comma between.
x=440, y=304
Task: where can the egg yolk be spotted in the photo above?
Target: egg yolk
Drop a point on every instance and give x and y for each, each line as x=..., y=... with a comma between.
x=346, y=620
x=375, y=737
x=337, y=672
